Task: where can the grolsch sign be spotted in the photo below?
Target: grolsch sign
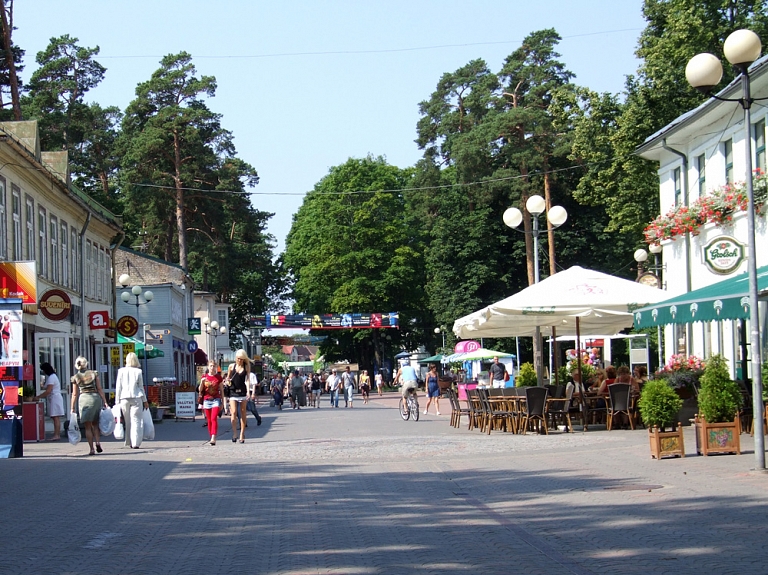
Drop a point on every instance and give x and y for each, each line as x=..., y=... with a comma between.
x=723, y=255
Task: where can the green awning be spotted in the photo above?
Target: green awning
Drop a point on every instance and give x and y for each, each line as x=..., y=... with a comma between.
x=433, y=358
x=728, y=299
x=139, y=347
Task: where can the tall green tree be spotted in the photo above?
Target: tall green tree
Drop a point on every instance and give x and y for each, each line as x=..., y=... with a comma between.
x=10, y=65
x=615, y=177
x=175, y=147
x=57, y=90
x=353, y=247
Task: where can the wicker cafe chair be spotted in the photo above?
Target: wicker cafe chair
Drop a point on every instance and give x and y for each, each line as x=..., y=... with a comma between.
x=456, y=410
x=560, y=410
x=619, y=402
x=515, y=404
x=535, y=407
x=497, y=406
x=476, y=413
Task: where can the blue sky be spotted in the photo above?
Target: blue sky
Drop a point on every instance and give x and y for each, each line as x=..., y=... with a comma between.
x=304, y=86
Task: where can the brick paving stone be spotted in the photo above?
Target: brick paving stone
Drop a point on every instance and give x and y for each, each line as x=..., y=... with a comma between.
x=361, y=491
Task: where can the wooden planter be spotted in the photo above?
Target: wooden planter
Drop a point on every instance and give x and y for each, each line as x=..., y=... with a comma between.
x=717, y=437
x=666, y=443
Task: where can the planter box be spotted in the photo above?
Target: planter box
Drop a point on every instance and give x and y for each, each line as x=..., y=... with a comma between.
x=666, y=443
x=718, y=437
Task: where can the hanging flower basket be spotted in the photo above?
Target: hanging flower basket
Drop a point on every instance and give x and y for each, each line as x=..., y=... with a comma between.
x=718, y=206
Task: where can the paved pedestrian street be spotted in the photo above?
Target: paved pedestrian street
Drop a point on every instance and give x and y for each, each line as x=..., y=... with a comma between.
x=361, y=491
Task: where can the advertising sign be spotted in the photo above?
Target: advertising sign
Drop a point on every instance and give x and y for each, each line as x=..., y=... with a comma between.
x=327, y=321
x=723, y=255
x=194, y=325
x=466, y=346
x=19, y=280
x=127, y=326
x=12, y=338
x=185, y=404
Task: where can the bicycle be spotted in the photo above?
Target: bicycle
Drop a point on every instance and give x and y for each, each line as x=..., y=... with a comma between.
x=412, y=407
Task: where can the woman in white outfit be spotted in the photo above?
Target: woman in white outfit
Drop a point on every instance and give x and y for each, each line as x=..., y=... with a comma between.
x=129, y=393
x=55, y=400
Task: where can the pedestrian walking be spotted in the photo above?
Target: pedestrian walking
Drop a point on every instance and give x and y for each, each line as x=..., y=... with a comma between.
x=277, y=390
x=130, y=396
x=379, y=382
x=348, y=382
x=238, y=375
x=296, y=387
x=332, y=385
x=433, y=390
x=317, y=387
x=55, y=399
x=365, y=385
x=211, y=393
x=253, y=397
x=88, y=397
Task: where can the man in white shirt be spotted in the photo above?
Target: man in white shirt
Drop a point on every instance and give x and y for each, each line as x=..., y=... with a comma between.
x=332, y=385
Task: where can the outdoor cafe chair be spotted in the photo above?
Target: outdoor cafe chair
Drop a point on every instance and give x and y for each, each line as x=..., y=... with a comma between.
x=619, y=401
x=476, y=413
x=456, y=410
x=559, y=410
x=499, y=411
x=535, y=408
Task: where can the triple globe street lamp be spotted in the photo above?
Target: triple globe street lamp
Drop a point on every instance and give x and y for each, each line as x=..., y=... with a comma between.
x=704, y=72
x=212, y=329
x=513, y=217
x=147, y=296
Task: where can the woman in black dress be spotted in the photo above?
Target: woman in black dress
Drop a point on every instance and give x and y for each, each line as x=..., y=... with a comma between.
x=238, y=377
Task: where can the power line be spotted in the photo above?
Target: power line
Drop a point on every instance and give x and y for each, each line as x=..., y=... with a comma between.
x=380, y=51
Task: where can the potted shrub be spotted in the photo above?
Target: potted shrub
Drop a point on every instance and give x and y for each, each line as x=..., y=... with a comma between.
x=659, y=405
x=526, y=377
x=717, y=424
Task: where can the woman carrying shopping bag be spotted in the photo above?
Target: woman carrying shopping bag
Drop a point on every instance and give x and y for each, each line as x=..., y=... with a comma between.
x=129, y=394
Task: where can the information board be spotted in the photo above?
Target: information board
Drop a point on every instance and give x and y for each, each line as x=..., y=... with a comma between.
x=185, y=405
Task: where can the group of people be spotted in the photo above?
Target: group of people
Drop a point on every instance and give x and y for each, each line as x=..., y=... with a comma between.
x=306, y=390
x=88, y=400
x=233, y=391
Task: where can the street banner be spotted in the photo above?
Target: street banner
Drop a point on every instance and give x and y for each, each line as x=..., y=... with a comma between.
x=327, y=321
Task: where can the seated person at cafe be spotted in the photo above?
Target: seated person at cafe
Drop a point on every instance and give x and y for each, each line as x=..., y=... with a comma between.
x=575, y=385
x=610, y=377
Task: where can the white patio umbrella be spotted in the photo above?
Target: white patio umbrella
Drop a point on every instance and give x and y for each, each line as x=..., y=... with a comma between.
x=599, y=303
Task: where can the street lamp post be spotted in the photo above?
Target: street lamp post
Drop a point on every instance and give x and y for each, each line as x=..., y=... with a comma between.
x=641, y=256
x=147, y=296
x=536, y=205
x=213, y=330
x=704, y=72
x=440, y=330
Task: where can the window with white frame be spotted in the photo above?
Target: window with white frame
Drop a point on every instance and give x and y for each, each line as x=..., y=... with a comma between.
x=760, y=145
x=42, y=252
x=16, y=221
x=677, y=182
x=64, y=255
x=73, y=250
x=98, y=252
x=701, y=163
x=107, y=277
x=55, y=255
x=30, y=221
x=3, y=221
x=728, y=156
x=88, y=263
x=222, y=313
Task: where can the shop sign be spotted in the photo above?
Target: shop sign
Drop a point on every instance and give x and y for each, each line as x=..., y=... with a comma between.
x=127, y=326
x=723, y=255
x=98, y=320
x=466, y=346
x=55, y=305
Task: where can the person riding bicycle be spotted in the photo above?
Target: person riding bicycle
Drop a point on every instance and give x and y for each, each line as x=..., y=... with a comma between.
x=406, y=375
